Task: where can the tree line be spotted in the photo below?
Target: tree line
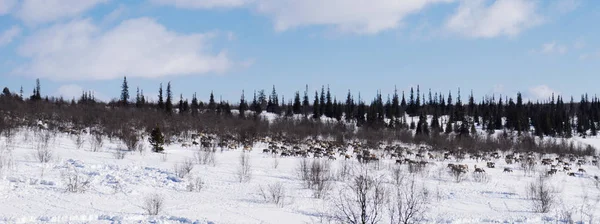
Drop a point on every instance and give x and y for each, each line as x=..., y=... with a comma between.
x=379, y=120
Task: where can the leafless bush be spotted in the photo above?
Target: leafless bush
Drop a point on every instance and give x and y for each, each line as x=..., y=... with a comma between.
x=528, y=167
x=275, y=162
x=205, y=157
x=245, y=168
x=184, y=168
x=78, y=141
x=409, y=204
x=345, y=170
x=154, y=204
x=316, y=176
x=75, y=181
x=43, y=153
x=362, y=201
x=398, y=175
x=96, y=142
x=119, y=153
x=415, y=168
x=195, y=184
x=481, y=177
x=540, y=194
x=566, y=215
x=6, y=160
x=130, y=139
x=275, y=193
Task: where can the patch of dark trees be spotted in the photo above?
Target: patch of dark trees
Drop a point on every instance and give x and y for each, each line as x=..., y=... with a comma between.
x=444, y=122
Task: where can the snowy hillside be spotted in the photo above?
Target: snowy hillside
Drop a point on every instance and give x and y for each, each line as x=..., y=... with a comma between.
x=113, y=186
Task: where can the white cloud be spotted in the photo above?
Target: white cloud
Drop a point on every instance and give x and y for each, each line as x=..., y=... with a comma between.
x=9, y=35
x=6, y=6
x=72, y=91
x=354, y=16
x=541, y=92
x=34, y=12
x=480, y=19
x=202, y=4
x=141, y=47
x=553, y=48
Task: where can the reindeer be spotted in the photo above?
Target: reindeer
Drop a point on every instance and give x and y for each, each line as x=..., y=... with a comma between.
x=507, y=170
x=551, y=172
x=491, y=165
x=478, y=170
x=581, y=170
x=331, y=158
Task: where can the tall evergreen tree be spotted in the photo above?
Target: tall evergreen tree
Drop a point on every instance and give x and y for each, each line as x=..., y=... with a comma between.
x=124, y=92
x=328, y=104
x=195, y=107
x=243, y=105
x=316, y=107
x=297, y=106
x=169, y=102
x=161, y=104
x=212, y=105
x=305, y=103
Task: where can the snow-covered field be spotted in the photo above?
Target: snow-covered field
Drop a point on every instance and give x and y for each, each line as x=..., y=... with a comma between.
x=35, y=192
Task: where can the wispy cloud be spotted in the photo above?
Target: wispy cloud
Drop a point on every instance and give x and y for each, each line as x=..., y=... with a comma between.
x=141, y=47
x=9, y=35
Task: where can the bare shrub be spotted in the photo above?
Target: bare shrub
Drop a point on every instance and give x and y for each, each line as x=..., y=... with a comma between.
x=96, y=142
x=43, y=153
x=345, y=170
x=130, y=139
x=154, y=204
x=205, y=157
x=6, y=160
x=481, y=177
x=316, y=176
x=409, y=204
x=528, y=167
x=362, y=201
x=75, y=181
x=539, y=192
x=398, y=175
x=78, y=141
x=119, y=153
x=195, y=184
x=184, y=168
x=275, y=193
x=275, y=163
x=245, y=168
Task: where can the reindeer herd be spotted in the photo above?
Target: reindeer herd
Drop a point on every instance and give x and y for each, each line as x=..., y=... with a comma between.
x=417, y=156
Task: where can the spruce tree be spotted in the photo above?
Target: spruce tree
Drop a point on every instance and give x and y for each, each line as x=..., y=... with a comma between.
x=212, y=106
x=169, y=103
x=305, y=103
x=243, y=105
x=124, y=92
x=297, y=106
x=157, y=140
x=316, y=107
x=322, y=102
x=195, y=107
x=329, y=104
x=161, y=103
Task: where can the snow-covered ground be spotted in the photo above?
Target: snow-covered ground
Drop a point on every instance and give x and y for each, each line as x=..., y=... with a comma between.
x=34, y=192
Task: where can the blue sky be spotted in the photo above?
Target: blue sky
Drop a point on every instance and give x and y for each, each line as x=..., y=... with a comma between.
x=226, y=46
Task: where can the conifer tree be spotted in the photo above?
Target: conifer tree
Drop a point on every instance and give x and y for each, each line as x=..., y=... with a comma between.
x=195, y=107
x=157, y=140
x=297, y=106
x=124, y=92
x=169, y=102
x=329, y=104
x=212, y=105
x=316, y=107
x=243, y=105
x=305, y=103
x=161, y=104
